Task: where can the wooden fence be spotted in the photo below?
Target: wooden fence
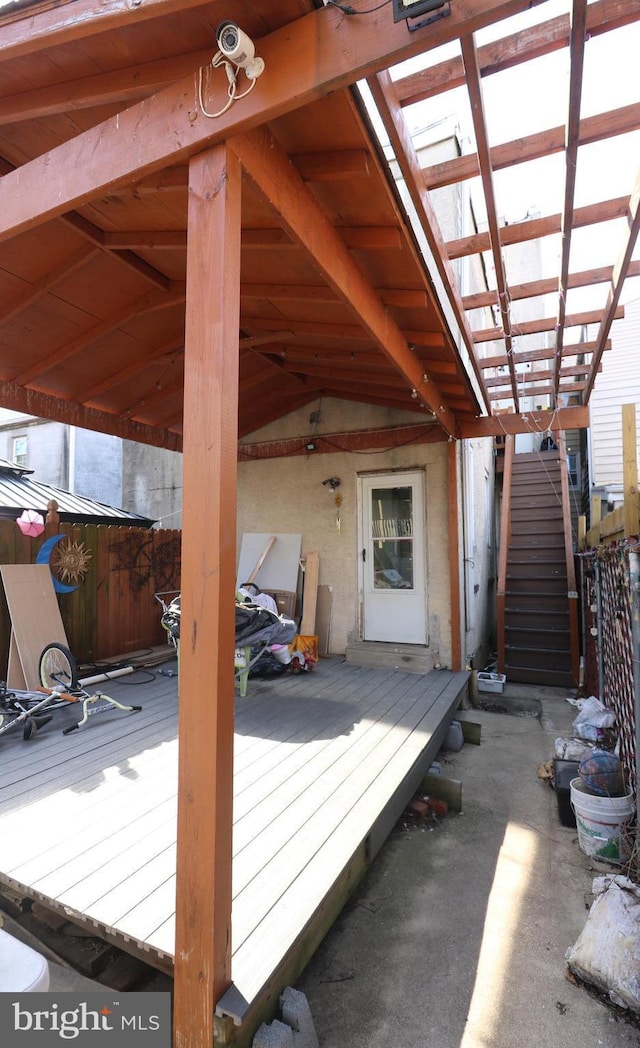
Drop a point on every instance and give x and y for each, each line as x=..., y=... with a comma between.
x=624, y=521
x=112, y=610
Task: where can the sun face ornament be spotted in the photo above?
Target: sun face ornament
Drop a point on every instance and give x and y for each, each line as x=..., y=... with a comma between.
x=70, y=560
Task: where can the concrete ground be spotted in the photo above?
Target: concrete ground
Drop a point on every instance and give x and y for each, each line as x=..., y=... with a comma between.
x=457, y=937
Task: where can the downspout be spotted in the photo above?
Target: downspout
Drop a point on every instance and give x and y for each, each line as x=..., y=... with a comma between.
x=71, y=480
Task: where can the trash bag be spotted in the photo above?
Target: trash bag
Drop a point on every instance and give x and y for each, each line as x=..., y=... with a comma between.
x=593, y=720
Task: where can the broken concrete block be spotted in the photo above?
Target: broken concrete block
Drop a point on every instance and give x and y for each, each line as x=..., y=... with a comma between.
x=296, y=1012
x=273, y=1035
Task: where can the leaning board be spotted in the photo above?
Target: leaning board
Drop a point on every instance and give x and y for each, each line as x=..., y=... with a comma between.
x=279, y=569
x=35, y=620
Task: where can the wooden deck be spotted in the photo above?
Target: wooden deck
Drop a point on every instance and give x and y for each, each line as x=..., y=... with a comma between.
x=324, y=764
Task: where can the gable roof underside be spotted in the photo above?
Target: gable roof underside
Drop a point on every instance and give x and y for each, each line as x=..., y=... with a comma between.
x=100, y=111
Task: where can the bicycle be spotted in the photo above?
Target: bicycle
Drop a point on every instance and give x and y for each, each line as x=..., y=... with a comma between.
x=58, y=673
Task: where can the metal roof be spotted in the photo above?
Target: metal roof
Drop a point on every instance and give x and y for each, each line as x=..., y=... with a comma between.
x=19, y=492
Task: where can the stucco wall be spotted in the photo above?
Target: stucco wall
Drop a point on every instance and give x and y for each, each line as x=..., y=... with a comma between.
x=286, y=495
x=152, y=483
x=47, y=449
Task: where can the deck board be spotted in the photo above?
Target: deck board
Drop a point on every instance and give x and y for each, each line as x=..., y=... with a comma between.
x=318, y=758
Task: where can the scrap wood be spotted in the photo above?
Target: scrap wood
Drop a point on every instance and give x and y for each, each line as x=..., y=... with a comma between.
x=261, y=559
x=310, y=595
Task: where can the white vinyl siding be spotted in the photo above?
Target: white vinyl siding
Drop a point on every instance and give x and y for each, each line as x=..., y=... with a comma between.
x=618, y=383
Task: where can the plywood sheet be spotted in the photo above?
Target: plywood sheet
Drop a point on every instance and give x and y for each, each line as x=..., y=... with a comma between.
x=279, y=570
x=35, y=619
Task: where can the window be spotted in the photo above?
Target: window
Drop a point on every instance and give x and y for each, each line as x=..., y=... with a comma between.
x=20, y=451
x=572, y=468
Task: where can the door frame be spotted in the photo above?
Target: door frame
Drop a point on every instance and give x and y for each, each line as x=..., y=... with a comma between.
x=395, y=476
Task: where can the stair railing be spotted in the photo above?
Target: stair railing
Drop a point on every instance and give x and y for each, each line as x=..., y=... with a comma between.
x=505, y=540
x=572, y=593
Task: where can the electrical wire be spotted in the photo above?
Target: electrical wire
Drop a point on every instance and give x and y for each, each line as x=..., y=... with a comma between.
x=348, y=10
x=232, y=72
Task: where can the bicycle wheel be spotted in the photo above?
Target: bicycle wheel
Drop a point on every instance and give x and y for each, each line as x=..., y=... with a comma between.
x=57, y=668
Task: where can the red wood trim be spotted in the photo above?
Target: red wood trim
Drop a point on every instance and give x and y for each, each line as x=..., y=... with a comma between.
x=532, y=147
x=205, y=770
x=43, y=405
x=577, y=42
x=474, y=87
x=531, y=422
x=384, y=94
x=522, y=46
x=332, y=443
x=505, y=538
x=453, y=514
x=534, y=228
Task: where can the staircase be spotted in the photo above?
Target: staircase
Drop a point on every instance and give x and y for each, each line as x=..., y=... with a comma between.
x=537, y=603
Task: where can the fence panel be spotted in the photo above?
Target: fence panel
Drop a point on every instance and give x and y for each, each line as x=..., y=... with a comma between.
x=608, y=642
x=112, y=574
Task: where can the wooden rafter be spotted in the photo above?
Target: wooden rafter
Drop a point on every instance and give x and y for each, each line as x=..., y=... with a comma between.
x=546, y=286
x=542, y=391
x=527, y=356
x=383, y=93
x=535, y=228
x=472, y=69
x=269, y=168
x=578, y=29
x=611, y=310
x=509, y=51
x=539, y=375
x=534, y=327
x=328, y=330
x=398, y=297
x=532, y=147
x=314, y=55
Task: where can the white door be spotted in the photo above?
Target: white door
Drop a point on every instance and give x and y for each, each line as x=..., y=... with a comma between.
x=393, y=559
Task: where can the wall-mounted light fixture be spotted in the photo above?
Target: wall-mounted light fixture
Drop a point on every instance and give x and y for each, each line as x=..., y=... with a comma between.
x=410, y=10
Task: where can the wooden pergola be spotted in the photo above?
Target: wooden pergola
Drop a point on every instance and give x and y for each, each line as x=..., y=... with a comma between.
x=182, y=279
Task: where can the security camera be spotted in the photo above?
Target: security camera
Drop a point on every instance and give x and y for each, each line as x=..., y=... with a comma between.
x=238, y=48
x=332, y=482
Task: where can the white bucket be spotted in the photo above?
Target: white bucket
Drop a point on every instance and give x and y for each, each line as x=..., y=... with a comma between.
x=602, y=823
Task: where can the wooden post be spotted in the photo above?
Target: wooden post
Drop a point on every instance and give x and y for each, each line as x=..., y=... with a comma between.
x=205, y=776
x=52, y=519
x=454, y=555
x=630, y=469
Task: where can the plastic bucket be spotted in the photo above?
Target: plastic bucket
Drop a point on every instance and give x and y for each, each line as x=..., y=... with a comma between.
x=602, y=823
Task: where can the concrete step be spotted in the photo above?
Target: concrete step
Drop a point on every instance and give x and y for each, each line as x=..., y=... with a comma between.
x=414, y=658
